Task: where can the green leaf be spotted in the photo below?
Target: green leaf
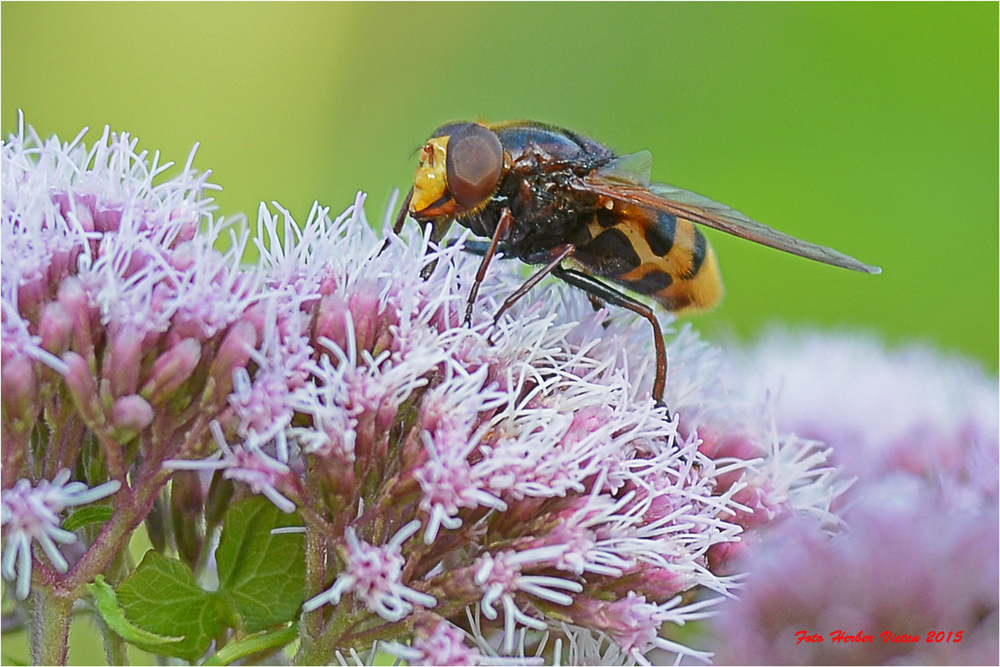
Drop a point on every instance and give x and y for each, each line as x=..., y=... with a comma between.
x=241, y=648
x=162, y=597
x=263, y=574
x=88, y=515
x=107, y=605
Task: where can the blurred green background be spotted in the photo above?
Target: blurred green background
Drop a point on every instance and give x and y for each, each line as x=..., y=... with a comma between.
x=872, y=128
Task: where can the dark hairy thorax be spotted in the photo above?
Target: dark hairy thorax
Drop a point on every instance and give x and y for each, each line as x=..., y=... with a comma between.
x=546, y=211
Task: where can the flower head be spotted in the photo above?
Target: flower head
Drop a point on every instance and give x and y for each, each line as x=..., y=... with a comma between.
x=336, y=377
x=250, y=465
x=121, y=323
x=31, y=514
x=449, y=483
x=373, y=574
x=443, y=645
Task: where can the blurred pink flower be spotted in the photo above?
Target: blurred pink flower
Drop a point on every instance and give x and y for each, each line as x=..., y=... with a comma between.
x=917, y=555
x=911, y=409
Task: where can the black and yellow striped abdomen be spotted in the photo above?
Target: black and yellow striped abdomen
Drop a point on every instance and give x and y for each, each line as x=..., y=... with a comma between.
x=654, y=253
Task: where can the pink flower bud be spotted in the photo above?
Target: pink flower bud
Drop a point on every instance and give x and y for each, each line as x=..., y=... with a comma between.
x=84, y=215
x=123, y=359
x=765, y=503
x=585, y=422
x=385, y=416
x=234, y=352
x=657, y=583
x=364, y=305
x=187, y=228
x=131, y=414
x=722, y=556
x=371, y=324
x=55, y=328
x=72, y=294
x=256, y=315
x=630, y=621
x=184, y=256
x=338, y=474
x=83, y=388
x=735, y=444
x=330, y=319
x=108, y=219
x=171, y=370
x=73, y=298
x=20, y=393
x=61, y=199
x=443, y=644
x=79, y=207
x=62, y=263
x=32, y=292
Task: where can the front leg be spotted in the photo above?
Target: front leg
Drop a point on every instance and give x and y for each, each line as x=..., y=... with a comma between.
x=502, y=230
x=555, y=257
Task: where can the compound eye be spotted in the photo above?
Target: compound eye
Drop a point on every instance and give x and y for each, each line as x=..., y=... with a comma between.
x=474, y=164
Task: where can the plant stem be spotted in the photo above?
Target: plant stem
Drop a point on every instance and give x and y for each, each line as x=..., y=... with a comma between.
x=320, y=651
x=50, y=629
x=115, y=648
x=312, y=622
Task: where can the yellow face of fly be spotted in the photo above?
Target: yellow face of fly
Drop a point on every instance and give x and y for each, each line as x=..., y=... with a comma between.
x=430, y=184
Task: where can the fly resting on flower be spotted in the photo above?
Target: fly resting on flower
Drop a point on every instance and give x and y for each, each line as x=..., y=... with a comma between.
x=545, y=195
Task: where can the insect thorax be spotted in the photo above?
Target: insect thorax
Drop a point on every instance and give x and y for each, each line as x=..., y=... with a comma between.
x=545, y=214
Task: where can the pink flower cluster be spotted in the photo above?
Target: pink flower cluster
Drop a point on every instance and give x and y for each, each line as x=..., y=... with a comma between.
x=476, y=494
x=121, y=329
x=915, y=564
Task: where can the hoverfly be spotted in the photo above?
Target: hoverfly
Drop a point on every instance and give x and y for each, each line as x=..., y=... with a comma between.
x=546, y=195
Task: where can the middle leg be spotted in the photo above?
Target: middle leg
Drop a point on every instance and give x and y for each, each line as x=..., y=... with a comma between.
x=595, y=288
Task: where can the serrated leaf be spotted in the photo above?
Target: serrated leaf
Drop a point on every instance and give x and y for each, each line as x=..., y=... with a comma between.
x=88, y=515
x=162, y=597
x=107, y=605
x=263, y=574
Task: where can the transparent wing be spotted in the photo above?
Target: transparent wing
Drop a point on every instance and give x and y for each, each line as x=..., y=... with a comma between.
x=626, y=179
x=633, y=169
